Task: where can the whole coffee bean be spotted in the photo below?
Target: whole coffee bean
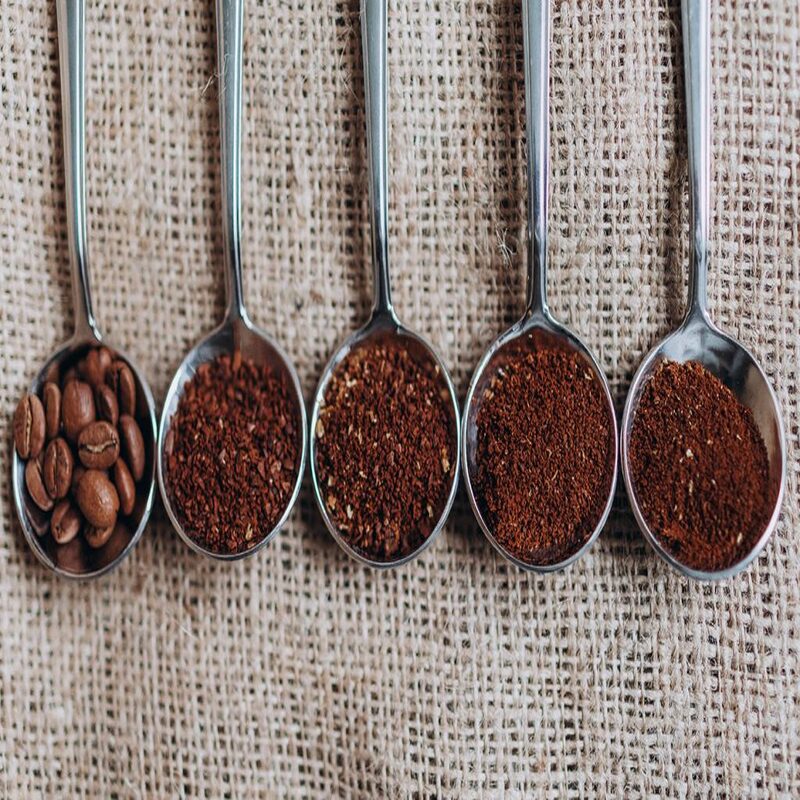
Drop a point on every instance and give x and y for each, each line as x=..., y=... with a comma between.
x=107, y=406
x=65, y=523
x=92, y=368
x=78, y=472
x=97, y=537
x=29, y=427
x=51, y=399
x=120, y=378
x=70, y=556
x=70, y=375
x=132, y=445
x=98, y=499
x=126, y=488
x=117, y=543
x=34, y=480
x=77, y=408
x=58, y=463
x=98, y=445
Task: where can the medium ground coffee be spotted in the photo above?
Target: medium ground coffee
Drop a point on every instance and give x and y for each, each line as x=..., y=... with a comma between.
x=232, y=454
x=384, y=453
x=699, y=467
x=545, y=454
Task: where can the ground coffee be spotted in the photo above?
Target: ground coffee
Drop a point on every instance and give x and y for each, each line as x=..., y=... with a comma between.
x=545, y=454
x=699, y=467
x=232, y=454
x=384, y=450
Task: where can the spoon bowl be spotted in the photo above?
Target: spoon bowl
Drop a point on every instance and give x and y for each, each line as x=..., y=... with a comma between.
x=533, y=332
x=77, y=560
x=383, y=328
x=699, y=340
x=236, y=335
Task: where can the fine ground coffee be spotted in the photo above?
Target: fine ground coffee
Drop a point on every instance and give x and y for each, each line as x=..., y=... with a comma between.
x=545, y=454
x=384, y=452
x=232, y=454
x=699, y=467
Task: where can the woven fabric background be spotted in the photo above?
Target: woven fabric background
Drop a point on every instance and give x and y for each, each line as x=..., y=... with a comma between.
x=299, y=673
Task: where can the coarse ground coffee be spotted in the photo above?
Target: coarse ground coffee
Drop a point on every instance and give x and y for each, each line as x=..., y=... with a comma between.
x=545, y=454
x=232, y=454
x=384, y=450
x=699, y=467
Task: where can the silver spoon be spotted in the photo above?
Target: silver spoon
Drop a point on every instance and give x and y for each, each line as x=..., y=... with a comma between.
x=76, y=559
x=697, y=338
x=237, y=332
x=537, y=329
x=383, y=324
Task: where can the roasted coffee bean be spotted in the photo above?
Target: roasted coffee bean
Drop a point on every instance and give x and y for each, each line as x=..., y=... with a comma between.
x=51, y=399
x=58, y=464
x=96, y=536
x=65, y=523
x=78, y=472
x=98, y=445
x=77, y=408
x=34, y=480
x=132, y=445
x=98, y=499
x=126, y=488
x=29, y=427
x=117, y=543
x=70, y=375
x=120, y=378
x=70, y=556
x=107, y=406
x=92, y=368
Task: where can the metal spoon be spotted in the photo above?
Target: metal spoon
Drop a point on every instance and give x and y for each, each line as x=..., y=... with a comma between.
x=697, y=338
x=537, y=329
x=78, y=560
x=236, y=332
x=383, y=324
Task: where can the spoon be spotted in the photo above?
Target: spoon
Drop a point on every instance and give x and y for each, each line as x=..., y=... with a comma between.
x=77, y=560
x=236, y=332
x=383, y=325
x=537, y=329
x=697, y=338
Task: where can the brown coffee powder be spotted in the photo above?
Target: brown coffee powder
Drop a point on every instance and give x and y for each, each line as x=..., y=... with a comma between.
x=384, y=452
x=232, y=454
x=699, y=467
x=545, y=454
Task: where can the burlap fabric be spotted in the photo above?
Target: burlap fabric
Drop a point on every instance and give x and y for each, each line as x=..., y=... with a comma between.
x=299, y=673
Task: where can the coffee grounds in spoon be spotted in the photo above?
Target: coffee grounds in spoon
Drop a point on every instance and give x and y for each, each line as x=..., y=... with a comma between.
x=699, y=467
x=545, y=454
x=232, y=453
x=384, y=452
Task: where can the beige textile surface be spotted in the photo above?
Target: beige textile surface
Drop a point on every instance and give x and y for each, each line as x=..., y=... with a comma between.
x=298, y=672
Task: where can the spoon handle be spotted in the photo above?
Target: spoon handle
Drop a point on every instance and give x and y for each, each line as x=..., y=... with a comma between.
x=373, y=39
x=536, y=38
x=230, y=27
x=696, y=64
x=71, y=51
